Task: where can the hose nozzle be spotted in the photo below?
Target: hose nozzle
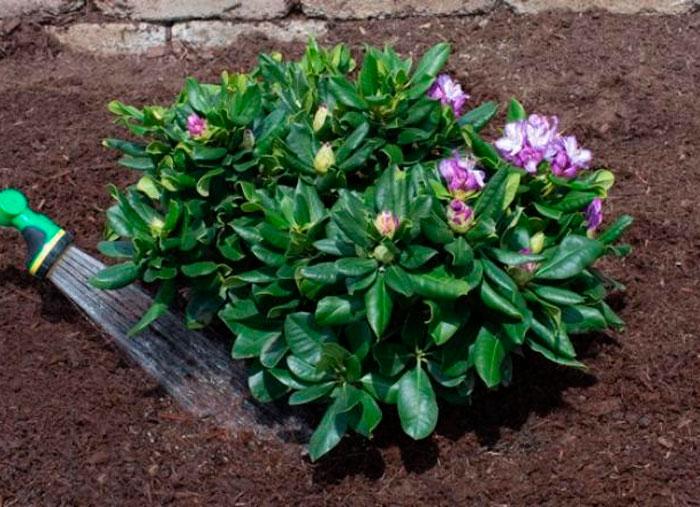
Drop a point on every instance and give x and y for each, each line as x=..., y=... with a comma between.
x=45, y=240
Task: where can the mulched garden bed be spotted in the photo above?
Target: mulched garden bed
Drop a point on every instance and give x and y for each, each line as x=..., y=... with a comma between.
x=81, y=426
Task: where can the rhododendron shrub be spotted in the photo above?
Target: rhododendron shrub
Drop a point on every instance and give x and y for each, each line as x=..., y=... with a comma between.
x=368, y=249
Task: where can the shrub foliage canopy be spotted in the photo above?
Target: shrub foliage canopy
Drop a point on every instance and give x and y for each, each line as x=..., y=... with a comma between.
x=363, y=243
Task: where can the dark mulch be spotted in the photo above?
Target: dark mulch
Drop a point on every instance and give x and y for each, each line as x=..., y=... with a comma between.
x=80, y=426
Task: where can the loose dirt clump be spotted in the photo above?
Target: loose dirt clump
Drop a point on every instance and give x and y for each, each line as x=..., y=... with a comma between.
x=80, y=426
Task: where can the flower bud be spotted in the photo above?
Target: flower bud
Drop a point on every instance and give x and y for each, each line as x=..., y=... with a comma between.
x=386, y=223
x=383, y=254
x=196, y=125
x=460, y=216
x=320, y=118
x=324, y=159
x=248, y=139
x=537, y=243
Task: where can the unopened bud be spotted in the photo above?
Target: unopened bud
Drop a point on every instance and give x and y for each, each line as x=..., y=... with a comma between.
x=248, y=139
x=386, y=223
x=459, y=216
x=537, y=243
x=324, y=159
x=320, y=118
x=383, y=254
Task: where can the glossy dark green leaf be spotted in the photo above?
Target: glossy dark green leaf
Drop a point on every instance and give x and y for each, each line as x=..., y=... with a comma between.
x=432, y=61
x=516, y=111
x=338, y=310
x=487, y=354
x=417, y=404
x=495, y=301
x=479, y=117
x=573, y=255
x=438, y=284
x=304, y=337
x=311, y=393
x=613, y=233
x=116, y=277
x=378, y=305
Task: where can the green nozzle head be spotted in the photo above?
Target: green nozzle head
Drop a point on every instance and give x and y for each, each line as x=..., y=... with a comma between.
x=46, y=241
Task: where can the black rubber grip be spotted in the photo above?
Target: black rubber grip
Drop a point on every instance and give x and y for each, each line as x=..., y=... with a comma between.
x=35, y=239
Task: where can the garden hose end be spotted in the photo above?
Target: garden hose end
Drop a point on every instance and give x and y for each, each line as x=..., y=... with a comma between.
x=45, y=240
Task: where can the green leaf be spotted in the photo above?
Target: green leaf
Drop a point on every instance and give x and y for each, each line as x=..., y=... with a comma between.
x=116, y=277
x=462, y=253
x=199, y=269
x=495, y=301
x=331, y=429
x=250, y=340
x=345, y=92
x=541, y=349
x=438, y=284
x=378, y=305
x=144, y=163
x=547, y=333
x=432, y=61
x=355, y=266
x=417, y=404
x=366, y=415
x=487, y=354
x=338, y=310
x=380, y=387
x=444, y=321
x=580, y=319
x=265, y=387
x=516, y=111
x=513, y=258
x=311, y=393
x=398, y=280
x=163, y=299
x=325, y=272
x=614, y=232
x=557, y=295
x=391, y=357
x=573, y=255
x=352, y=142
x=414, y=256
x=203, y=153
x=304, y=337
x=479, y=117
x=116, y=249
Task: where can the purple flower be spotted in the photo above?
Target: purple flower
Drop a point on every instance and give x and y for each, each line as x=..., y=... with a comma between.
x=526, y=143
x=449, y=93
x=386, y=223
x=594, y=214
x=567, y=158
x=461, y=175
x=459, y=216
x=196, y=125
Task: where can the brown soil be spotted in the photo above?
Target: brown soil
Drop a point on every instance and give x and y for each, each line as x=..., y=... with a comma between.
x=80, y=426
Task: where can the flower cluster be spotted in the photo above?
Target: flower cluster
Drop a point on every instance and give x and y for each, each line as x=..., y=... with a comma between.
x=528, y=142
x=449, y=93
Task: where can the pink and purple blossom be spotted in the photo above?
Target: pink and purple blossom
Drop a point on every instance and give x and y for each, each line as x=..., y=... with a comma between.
x=459, y=216
x=594, y=214
x=449, y=93
x=568, y=158
x=386, y=223
x=196, y=125
x=461, y=175
x=526, y=143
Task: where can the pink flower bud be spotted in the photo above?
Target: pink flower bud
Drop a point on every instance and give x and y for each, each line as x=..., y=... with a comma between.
x=460, y=216
x=196, y=125
x=386, y=223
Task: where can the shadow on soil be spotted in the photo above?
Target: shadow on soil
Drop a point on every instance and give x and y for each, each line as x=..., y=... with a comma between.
x=538, y=389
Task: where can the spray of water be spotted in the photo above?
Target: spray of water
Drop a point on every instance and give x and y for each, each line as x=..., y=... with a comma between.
x=196, y=370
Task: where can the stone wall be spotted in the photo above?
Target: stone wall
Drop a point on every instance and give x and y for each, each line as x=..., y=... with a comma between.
x=146, y=26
